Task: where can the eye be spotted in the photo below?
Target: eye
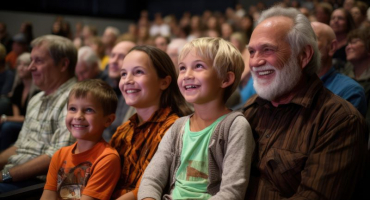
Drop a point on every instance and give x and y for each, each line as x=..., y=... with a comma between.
x=198, y=66
x=182, y=68
x=123, y=74
x=139, y=71
x=71, y=108
x=89, y=110
x=268, y=49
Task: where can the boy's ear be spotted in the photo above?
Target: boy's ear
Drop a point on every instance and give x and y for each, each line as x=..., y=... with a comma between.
x=109, y=119
x=165, y=82
x=228, y=80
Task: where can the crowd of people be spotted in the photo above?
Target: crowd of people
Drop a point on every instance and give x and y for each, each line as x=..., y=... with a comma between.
x=264, y=103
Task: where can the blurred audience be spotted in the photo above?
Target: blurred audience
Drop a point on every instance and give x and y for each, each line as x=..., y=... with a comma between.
x=339, y=84
x=342, y=23
x=19, y=46
x=5, y=37
x=88, y=65
x=161, y=42
x=109, y=38
x=23, y=90
x=6, y=75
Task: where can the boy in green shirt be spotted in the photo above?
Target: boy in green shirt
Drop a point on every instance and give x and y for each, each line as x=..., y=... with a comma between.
x=208, y=154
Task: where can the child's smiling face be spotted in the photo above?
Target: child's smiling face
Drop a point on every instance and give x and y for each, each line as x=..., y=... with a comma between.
x=198, y=80
x=85, y=118
x=140, y=85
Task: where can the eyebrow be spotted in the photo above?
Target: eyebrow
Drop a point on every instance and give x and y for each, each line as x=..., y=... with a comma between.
x=264, y=46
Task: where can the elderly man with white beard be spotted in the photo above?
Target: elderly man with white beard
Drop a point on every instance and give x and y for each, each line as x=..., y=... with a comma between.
x=312, y=144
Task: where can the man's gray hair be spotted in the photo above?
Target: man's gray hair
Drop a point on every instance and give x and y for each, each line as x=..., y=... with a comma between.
x=59, y=48
x=300, y=35
x=87, y=55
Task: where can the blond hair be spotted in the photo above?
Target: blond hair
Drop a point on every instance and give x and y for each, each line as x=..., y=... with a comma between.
x=223, y=56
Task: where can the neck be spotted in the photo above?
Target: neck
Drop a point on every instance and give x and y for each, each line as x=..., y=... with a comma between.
x=287, y=97
x=85, y=145
x=27, y=82
x=360, y=67
x=206, y=114
x=145, y=113
x=342, y=39
x=54, y=87
x=325, y=67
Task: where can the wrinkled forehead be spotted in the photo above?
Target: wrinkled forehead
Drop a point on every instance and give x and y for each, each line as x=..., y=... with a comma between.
x=273, y=29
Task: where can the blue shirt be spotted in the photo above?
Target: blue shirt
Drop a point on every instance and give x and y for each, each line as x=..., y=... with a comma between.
x=346, y=88
x=247, y=91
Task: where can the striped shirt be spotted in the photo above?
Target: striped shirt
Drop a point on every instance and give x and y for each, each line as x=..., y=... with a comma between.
x=137, y=145
x=44, y=130
x=312, y=148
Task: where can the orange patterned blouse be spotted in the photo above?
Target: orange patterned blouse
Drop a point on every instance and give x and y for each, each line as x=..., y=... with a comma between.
x=136, y=145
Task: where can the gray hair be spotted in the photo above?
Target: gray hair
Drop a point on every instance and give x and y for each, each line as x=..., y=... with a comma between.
x=24, y=57
x=113, y=30
x=87, y=55
x=59, y=48
x=300, y=35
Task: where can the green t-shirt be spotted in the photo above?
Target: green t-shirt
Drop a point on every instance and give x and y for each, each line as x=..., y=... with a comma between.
x=192, y=175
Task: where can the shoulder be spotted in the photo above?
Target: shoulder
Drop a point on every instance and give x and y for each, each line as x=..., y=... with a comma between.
x=63, y=152
x=338, y=106
x=109, y=150
x=332, y=112
x=36, y=98
x=346, y=82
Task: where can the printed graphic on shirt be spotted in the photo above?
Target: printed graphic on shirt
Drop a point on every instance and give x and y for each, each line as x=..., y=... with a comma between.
x=72, y=181
x=195, y=171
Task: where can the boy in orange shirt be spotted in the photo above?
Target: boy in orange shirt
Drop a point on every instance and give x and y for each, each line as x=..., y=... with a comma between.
x=90, y=168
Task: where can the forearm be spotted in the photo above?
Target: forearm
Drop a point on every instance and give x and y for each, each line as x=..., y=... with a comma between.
x=30, y=169
x=19, y=118
x=48, y=195
x=4, y=156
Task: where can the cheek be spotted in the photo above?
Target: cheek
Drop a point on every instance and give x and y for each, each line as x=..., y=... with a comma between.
x=121, y=84
x=179, y=80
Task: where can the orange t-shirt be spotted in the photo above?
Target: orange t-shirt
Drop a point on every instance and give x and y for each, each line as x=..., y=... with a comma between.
x=94, y=172
x=137, y=145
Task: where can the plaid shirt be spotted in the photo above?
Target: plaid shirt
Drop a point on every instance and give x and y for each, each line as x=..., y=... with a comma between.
x=44, y=130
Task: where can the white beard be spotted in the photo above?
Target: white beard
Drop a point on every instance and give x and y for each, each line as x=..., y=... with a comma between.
x=285, y=80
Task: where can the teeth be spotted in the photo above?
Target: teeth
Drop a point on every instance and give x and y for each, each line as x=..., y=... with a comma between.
x=131, y=91
x=264, y=73
x=190, y=86
x=79, y=126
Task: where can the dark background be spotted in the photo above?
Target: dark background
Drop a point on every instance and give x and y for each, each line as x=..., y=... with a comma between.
x=117, y=9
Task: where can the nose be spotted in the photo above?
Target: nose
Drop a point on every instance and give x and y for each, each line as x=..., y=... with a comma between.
x=188, y=74
x=31, y=66
x=256, y=61
x=129, y=79
x=79, y=116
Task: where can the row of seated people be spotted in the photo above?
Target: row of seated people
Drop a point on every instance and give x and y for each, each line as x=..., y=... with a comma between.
x=284, y=93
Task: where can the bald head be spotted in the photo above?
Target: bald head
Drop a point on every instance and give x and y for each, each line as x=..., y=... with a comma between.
x=323, y=31
x=117, y=55
x=327, y=43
